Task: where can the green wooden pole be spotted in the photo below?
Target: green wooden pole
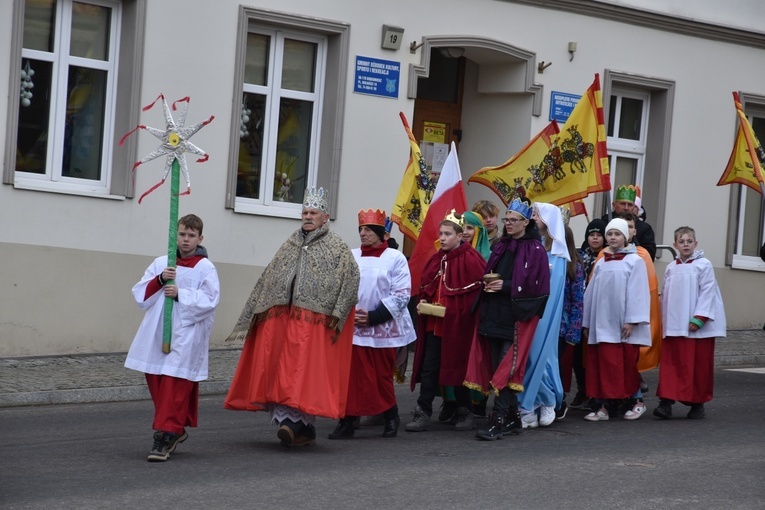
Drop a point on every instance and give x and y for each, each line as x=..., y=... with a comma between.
x=172, y=247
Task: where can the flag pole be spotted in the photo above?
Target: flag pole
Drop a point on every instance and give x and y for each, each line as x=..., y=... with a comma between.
x=172, y=247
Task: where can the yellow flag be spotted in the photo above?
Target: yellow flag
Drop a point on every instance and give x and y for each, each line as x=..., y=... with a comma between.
x=415, y=193
x=575, y=163
x=747, y=160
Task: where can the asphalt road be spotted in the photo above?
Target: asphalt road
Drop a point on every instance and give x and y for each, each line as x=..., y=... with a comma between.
x=88, y=456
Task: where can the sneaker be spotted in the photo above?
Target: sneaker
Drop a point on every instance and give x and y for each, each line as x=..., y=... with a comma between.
x=464, y=419
x=663, y=410
x=420, y=422
x=175, y=439
x=636, y=412
x=530, y=420
x=579, y=400
x=448, y=409
x=560, y=412
x=479, y=408
x=599, y=415
x=697, y=412
x=546, y=416
x=160, y=452
x=494, y=430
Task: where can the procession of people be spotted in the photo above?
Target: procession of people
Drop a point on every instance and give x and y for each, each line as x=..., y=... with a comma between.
x=504, y=314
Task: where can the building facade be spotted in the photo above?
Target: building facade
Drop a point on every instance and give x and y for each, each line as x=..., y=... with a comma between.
x=309, y=93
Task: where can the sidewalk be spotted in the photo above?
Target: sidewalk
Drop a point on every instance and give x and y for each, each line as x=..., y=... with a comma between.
x=103, y=378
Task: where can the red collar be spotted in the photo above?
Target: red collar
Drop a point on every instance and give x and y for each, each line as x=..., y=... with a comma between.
x=614, y=256
x=373, y=252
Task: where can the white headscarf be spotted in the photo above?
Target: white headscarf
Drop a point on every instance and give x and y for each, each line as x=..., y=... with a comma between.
x=550, y=215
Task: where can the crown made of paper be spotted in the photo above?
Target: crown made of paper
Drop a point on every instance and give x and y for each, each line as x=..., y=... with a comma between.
x=370, y=217
x=452, y=216
x=627, y=193
x=316, y=199
x=520, y=207
x=565, y=212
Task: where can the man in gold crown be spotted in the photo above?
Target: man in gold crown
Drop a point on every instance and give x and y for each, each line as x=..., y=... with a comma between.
x=382, y=324
x=624, y=201
x=297, y=328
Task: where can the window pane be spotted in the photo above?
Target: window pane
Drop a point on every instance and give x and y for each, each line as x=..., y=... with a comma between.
x=292, y=150
x=90, y=31
x=299, y=65
x=250, y=146
x=32, y=141
x=625, y=171
x=84, y=125
x=39, y=22
x=630, y=119
x=256, y=59
x=752, y=223
x=612, y=115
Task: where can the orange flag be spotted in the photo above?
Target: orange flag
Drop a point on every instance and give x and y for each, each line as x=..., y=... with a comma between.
x=747, y=160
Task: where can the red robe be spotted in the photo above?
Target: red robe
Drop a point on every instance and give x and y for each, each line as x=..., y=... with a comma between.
x=456, y=289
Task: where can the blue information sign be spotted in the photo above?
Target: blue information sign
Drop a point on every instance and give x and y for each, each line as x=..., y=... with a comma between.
x=377, y=77
x=561, y=105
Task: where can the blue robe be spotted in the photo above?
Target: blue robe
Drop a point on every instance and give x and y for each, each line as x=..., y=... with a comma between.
x=542, y=385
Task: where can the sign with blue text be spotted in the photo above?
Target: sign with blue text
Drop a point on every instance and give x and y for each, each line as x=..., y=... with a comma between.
x=377, y=77
x=561, y=105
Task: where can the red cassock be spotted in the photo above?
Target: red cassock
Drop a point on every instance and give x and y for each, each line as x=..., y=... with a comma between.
x=687, y=369
x=457, y=290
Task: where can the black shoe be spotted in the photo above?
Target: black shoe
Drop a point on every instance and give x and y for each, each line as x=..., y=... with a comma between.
x=561, y=411
x=175, y=439
x=697, y=412
x=391, y=427
x=579, y=400
x=160, y=451
x=493, y=430
x=479, y=408
x=663, y=410
x=513, y=424
x=448, y=410
x=344, y=429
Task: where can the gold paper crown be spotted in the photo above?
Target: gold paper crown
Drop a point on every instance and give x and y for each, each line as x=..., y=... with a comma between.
x=452, y=216
x=370, y=217
x=316, y=199
x=627, y=193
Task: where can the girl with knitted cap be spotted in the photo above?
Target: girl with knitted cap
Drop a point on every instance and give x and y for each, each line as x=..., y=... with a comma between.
x=616, y=323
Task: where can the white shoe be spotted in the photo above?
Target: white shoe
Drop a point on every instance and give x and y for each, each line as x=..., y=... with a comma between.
x=546, y=416
x=599, y=415
x=636, y=412
x=530, y=420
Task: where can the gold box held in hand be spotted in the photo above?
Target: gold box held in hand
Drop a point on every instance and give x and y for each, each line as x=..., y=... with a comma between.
x=431, y=309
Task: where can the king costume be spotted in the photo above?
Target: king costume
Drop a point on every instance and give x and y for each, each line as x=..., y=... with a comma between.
x=296, y=357
x=690, y=291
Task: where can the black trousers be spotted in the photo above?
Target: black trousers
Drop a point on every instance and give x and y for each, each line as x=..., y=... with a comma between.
x=429, y=383
x=507, y=400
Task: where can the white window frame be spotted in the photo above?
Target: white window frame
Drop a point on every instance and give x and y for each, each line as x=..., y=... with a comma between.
x=266, y=205
x=52, y=179
x=627, y=148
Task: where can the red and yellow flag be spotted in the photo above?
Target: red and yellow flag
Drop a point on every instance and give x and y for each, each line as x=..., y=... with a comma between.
x=574, y=165
x=507, y=180
x=747, y=160
x=416, y=191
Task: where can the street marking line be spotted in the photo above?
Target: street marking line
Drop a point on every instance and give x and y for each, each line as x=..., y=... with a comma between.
x=758, y=370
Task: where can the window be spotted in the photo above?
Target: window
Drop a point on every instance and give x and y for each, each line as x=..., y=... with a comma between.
x=749, y=224
x=63, y=122
x=285, y=139
x=627, y=124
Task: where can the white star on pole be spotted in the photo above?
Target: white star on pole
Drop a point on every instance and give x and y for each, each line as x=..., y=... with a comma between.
x=175, y=142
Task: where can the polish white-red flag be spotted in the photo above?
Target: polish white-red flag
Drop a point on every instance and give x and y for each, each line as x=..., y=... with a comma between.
x=449, y=194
